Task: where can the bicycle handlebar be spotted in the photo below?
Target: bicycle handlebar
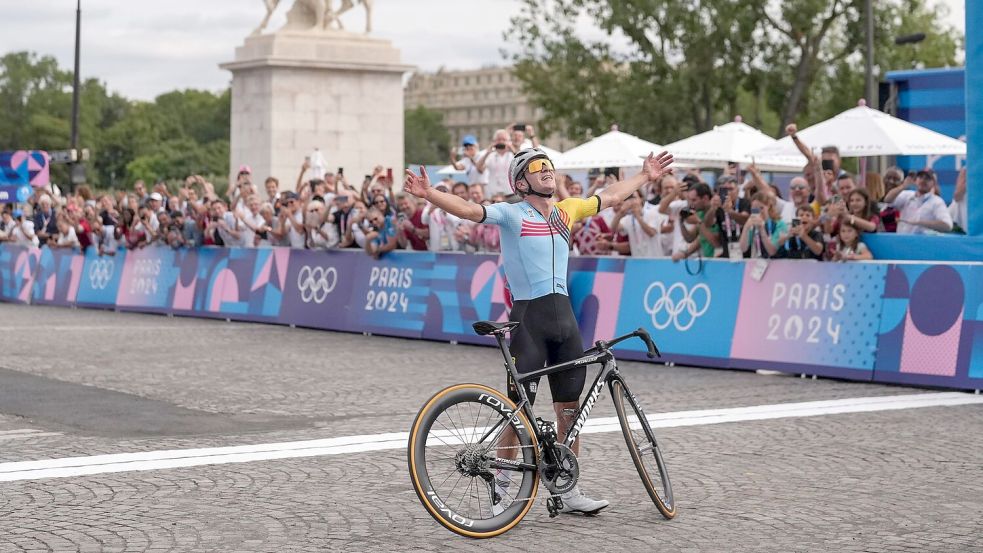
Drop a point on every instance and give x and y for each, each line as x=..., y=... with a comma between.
x=652, y=353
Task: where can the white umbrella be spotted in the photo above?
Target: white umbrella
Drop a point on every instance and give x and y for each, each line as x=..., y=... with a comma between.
x=732, y=142
x=448, y=170
x=863, y=132
x=612, y=149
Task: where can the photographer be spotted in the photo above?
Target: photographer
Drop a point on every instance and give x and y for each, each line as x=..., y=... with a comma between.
x=322, y=234
x=223, y=227
x=413, y=233
x=495, y=160
x=291, y=221
x=804, y=240
x=381, y=238
x=642, y=223
x=764, y=228
x=468, y=162
x=700, y=231
x=251, y=222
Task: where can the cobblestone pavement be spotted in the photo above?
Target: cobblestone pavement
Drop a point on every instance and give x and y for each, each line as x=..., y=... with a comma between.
x=885, y=481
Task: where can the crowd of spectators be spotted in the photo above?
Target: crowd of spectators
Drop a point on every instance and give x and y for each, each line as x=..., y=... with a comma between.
x=825, y=216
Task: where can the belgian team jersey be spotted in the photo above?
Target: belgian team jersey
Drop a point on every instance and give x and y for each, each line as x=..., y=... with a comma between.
x=535, y=250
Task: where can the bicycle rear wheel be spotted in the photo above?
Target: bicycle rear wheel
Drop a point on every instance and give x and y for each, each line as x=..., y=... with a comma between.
x=645, y=452
x=467, y=476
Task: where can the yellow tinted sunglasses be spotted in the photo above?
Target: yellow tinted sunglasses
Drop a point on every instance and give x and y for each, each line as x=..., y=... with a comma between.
x=538, y=165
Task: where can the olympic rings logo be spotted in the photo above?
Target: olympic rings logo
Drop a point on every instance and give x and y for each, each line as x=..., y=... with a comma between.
x=316, y=283
x=676, y=305
x=100, y=273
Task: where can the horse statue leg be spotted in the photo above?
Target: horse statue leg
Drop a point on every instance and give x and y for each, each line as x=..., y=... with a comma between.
x=270, y=7
x=368, y=15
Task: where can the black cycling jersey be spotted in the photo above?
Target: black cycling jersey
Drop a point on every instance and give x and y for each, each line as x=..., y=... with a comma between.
x=548, y=335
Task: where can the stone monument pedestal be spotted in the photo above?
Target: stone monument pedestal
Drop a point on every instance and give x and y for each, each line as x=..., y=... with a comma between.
x=294, y=91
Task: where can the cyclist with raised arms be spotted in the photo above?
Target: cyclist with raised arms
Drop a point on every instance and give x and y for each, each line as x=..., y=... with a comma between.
x=535, y=238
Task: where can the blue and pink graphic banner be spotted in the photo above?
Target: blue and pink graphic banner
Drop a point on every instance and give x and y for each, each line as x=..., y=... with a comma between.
x=20, y=171
x=889, y=322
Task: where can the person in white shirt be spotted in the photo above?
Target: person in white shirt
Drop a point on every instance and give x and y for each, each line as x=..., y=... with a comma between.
x=442, y=226
x=921, y=211
x=292, y=221
x=672, y=203
x=523, y=136
x=251, y=222
x=495, y=163
x=322, y=233
x=66, y=237
x=468, y=163
x=957, y=209
x=20, y=229
x=643, y=224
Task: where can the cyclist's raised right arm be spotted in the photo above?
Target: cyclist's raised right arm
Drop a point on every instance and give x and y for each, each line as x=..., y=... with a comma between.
x=419, y=186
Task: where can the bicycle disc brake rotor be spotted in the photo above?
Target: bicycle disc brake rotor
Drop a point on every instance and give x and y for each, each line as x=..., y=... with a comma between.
x=561, y=477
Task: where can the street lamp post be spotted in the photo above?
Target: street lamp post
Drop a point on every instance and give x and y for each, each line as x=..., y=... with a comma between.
x=871, y=91
x=77, y=172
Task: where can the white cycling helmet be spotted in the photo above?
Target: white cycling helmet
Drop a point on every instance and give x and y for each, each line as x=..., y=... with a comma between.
x=521, y=161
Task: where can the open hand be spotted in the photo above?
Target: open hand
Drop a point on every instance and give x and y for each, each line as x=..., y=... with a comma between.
x=418, y=186
x=656, y=166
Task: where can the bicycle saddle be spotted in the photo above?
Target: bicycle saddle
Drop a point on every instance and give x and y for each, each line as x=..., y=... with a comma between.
x=484, y=328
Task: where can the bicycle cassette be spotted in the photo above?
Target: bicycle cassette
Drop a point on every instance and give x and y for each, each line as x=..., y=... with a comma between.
x=561, y=477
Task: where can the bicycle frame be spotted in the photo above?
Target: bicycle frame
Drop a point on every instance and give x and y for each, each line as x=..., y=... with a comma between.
x=600, y=354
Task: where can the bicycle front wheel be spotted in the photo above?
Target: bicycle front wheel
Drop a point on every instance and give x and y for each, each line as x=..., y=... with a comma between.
x=644, y=450
x=474, y=460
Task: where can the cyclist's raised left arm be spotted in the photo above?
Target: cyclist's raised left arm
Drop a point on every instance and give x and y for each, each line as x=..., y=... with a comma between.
x=652, y=168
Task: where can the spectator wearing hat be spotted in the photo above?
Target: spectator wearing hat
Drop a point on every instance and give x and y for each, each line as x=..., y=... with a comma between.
x=921, y=210
x=155, y=206
x=468, y=162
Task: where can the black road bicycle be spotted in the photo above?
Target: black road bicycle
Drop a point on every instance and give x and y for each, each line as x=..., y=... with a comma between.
x=479, y=480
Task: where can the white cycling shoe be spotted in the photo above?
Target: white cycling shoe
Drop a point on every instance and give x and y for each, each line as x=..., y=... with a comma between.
x=575, y=501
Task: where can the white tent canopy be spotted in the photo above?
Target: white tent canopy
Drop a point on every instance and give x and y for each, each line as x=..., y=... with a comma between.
x=733, y=142
x=612, y=149
x=865, y=132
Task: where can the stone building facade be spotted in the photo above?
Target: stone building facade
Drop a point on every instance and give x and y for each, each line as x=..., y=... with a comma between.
x=476, y=101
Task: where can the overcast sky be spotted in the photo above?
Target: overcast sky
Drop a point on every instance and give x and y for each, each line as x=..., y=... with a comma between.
x=142, y=48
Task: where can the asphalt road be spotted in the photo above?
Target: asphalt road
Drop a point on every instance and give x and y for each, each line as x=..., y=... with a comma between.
x=88, y=384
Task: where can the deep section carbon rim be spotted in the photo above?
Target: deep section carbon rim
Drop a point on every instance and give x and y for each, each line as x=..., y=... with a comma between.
x=465, y=471
x=644, y=449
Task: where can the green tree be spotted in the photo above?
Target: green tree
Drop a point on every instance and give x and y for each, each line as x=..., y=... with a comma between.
x=180, y=132
x=688, y=65
x=426, y=138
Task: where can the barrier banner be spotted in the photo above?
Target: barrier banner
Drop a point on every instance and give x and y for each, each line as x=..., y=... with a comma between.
x=931, y=317
x=148, y=279
x=465, y=289
x=806, y=314
x=100, y=279
x=390, y=294
x=17, y=269
x=317, y=289
x=242, y=283
x=595, y=286
x=690, y=316
x=19, y=171
x=58, y=276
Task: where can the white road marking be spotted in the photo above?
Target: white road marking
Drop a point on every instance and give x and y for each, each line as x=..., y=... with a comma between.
x=24, y=433
x=179, y=458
